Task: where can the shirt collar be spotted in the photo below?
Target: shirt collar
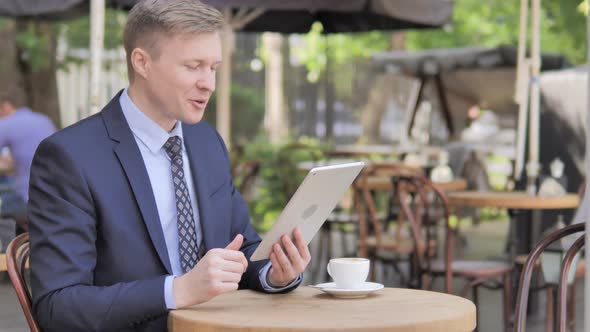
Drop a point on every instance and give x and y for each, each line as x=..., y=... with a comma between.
x=145, y=129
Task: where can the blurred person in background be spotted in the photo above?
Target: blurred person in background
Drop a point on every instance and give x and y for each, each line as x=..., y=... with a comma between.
x=21, y=131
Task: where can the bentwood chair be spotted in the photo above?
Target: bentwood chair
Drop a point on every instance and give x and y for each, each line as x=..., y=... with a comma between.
x=382, y=237
x=424, y=205
x=17, y=256
x=527, y=271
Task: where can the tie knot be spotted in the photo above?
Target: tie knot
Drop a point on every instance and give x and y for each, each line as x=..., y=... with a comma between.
x=173, y=147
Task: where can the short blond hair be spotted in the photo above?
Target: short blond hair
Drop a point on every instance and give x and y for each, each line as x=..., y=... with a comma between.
x=150, y=20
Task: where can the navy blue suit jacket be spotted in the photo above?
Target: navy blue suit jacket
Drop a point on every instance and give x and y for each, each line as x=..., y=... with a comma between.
x=98, y=255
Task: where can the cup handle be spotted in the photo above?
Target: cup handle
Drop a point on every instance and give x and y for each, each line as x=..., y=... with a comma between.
x=328, y=268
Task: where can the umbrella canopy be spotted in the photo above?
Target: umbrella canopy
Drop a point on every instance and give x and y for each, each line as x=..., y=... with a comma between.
x=471, y=75
x=286, y=16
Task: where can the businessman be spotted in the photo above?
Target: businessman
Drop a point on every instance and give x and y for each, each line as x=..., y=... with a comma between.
x=133, y=211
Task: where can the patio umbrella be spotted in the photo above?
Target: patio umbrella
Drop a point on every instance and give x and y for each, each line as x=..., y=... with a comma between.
x=284, y=16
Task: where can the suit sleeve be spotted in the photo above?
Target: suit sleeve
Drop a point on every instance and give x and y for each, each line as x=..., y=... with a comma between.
x=63, y=225
x=241, y=225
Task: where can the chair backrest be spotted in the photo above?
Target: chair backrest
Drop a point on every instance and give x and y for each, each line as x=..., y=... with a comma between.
x=563, y=281
x=527, y=271
x=17, y=256
x=424, y=205
x=365, y=204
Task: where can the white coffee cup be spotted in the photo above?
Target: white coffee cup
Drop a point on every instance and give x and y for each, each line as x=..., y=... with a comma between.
x=349, y=273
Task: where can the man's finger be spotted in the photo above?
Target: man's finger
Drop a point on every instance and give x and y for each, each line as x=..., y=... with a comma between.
x=236, y=244
x=235, y=256
x=283, y=261
x=275, y=263
x=293, y=254
x=232, y=266
x=301, y=246
x=225, y=276
x=226, y=287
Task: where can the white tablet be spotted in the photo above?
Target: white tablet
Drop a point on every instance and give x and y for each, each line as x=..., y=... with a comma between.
x=311, y=204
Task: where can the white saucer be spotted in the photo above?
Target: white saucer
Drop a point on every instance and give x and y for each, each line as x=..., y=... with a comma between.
x=347, y=293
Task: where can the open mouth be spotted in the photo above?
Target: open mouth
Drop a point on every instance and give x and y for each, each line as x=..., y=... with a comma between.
x=199, y=103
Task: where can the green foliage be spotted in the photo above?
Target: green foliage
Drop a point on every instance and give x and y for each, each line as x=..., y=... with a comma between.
x=277, y=175
x=341, y=48
x=77, y=31
x=247, y=112
x=35, y=44
x=583, y=7
x=496, y=22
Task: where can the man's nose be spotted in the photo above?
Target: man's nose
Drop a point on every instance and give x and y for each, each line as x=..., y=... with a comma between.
x=207, y=82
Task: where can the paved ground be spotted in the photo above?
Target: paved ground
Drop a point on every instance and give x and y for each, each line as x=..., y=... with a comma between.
x=11, y=316
x=484, y=240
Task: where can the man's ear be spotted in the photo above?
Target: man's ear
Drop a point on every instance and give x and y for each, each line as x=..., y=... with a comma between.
x=140, y=60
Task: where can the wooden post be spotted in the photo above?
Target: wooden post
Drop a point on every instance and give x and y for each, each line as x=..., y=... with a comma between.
x=533, y=166
x=275, y=115
x=586, y=197
x=224, y=88
x=521, y=91
x=97, y=8
x=523, y=110
x=521, y=66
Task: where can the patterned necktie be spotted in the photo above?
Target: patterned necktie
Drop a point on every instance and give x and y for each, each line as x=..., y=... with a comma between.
x=187, y=235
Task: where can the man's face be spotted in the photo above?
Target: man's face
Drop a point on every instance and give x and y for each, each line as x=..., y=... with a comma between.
x=182, y=79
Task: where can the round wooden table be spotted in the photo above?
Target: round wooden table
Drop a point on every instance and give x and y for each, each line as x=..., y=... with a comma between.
x=308, y=309
x=516, y=200
x=384, y=183
x=512, y=200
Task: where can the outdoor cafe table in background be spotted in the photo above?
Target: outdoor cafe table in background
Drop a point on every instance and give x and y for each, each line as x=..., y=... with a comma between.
x=364, y=150
x=381, y=183
x=517, y=200
x=384, y=150
x=308, y=309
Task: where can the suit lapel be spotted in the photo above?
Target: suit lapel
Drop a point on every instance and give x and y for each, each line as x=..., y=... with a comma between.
x=132, y=162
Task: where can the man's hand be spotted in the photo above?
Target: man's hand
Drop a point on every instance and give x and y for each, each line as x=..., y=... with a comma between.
x=218, y=272
x=288, y=259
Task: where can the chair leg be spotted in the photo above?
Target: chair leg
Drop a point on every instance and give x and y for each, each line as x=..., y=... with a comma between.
x=343, y=238
x=507, y=301
x=427, y=281
x=328, y=249
x=550, y=323
x=571, y=307
x=320, y=271
x=476, y=302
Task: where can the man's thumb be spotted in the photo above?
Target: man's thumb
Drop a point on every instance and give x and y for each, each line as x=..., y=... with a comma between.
x=236, y=244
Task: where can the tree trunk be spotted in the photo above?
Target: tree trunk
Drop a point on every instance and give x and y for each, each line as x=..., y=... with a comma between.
x=12, y=80
x=311, y=107
x=39, y=82
x=275, y=115
x=34, y=84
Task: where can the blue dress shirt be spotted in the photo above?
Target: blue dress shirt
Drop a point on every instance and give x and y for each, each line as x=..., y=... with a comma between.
x=150, y=138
